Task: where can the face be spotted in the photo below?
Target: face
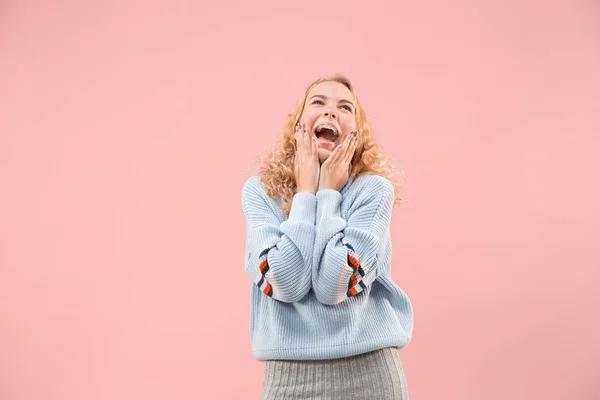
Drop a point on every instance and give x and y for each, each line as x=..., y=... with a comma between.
x=329, y=115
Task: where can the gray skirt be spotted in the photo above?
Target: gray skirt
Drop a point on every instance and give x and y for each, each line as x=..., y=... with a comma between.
x=376, y=375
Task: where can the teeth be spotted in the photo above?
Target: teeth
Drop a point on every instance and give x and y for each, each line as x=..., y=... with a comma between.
x=327, y=126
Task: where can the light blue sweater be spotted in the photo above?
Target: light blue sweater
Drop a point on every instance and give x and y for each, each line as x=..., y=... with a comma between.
x=322, y=285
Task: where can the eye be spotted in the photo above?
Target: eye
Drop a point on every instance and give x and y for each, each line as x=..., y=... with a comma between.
x=317, y=101
x=347, y=107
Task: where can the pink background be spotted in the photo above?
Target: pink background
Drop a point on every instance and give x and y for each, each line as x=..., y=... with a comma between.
x=128, y=128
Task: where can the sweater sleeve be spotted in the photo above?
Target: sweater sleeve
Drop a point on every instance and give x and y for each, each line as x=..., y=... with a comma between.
x=279, y=255
x=345, y=253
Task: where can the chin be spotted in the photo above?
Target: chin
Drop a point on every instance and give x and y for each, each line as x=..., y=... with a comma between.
x=323, y=155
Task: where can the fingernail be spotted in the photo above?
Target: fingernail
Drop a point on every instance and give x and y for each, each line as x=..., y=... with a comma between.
x=355, y=133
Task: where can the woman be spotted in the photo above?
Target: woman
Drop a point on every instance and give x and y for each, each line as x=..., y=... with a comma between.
x=325, y=314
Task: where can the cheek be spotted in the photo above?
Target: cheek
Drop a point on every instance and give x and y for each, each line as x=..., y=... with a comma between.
x=309, y=117
x=348, y=125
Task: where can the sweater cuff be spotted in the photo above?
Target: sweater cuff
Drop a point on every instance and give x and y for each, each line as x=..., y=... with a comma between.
x=329, y=203
x=304, y=208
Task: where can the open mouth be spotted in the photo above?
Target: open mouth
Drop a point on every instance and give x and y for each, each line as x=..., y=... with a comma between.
x=327, y=132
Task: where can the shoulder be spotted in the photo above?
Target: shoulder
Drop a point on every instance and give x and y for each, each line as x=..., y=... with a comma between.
x=255, y=199
x=253, y=196
x=373, y=186
x=372, y=180
x=254, y=191
x=253, y=188
x=252, y=183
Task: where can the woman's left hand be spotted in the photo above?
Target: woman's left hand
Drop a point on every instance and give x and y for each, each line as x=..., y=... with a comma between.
x=335, y=171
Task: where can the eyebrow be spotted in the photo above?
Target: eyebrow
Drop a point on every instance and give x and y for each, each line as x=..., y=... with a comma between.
x=325, y=97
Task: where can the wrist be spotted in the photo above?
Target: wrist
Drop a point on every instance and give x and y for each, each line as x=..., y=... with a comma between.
x=325, y=186
x=304, y=190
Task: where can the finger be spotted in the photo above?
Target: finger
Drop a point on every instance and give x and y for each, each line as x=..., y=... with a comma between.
x=343, y=148
x=300, y=135
x=351, y=148
x=314, y=146
x=305, y=142
x=338, y=152
x=297, y=137
x=300, y=145
x=311, y=144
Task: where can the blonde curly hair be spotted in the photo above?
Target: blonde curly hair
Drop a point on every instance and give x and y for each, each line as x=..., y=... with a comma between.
x=277, y=165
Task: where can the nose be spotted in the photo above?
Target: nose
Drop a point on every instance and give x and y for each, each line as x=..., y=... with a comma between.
x=327, y=114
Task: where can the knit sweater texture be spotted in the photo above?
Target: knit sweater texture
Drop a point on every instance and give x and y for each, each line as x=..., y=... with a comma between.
x=321, y=277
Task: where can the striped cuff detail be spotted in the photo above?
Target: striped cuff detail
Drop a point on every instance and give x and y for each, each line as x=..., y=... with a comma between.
x=356, y=283
x=263, y=284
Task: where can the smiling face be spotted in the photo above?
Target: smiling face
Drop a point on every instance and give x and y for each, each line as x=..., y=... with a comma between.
x=329, y=115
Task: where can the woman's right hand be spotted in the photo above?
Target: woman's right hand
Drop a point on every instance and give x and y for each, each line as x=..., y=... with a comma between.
x=306, y=160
